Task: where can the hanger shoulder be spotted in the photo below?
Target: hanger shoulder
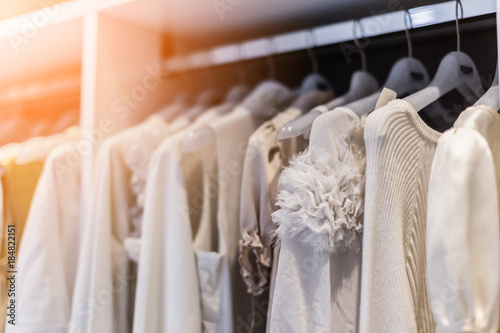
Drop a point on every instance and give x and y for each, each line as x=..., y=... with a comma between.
x=362, y=84
x=198, y=139
x=407, y=75
x=491, y=97
x=456, y=71
x=298, y=126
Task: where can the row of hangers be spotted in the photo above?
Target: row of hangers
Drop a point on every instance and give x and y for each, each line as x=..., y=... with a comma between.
x=39, y=108
x=407, y=77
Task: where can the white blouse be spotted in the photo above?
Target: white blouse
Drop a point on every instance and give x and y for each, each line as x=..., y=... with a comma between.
x=319, y=226
x=463, y=231
x=265, y=158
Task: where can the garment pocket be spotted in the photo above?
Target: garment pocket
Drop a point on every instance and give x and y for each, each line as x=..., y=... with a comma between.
x=210, y=273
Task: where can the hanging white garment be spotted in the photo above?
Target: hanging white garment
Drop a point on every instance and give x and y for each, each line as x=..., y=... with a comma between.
x=463, y=236
x=38, y=148
x=46, y=262
x=263, y=163
x=138, y=148
x=265, y=157
x=399, y=152
x=22, y=167
x=104, y=290
x=167, y=283
x=232, y=135
x=207, y=235
x=168, y=286
x=319, y=226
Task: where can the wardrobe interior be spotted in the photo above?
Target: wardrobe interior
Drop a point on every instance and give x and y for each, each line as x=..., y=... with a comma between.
x=75, y=62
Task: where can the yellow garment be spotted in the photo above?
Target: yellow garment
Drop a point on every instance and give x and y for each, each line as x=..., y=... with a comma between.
x=18, y=185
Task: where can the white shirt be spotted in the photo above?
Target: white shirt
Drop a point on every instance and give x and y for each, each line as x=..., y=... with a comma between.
x=463, y=236
x=47, y=263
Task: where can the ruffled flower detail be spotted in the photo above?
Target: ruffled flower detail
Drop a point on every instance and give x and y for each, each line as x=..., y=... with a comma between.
x=321, y=196
x=255, y=263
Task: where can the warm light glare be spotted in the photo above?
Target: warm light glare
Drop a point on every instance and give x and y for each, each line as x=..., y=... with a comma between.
x=10, y=8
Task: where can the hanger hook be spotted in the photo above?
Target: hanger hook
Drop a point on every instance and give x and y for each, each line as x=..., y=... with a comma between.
x=408, y=21
x=310, y=44
x=356, y=24
x=242, y=73
x=458, y=3
x=270, y=58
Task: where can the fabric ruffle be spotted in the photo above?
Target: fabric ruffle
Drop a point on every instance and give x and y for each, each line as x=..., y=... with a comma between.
x=133, y=248
x=255, y=263
x=321, y=196
x=137, y=151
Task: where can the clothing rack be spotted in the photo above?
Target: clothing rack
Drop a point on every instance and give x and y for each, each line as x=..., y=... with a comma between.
x=375, y=25
x=122, y=53
x=115, y=45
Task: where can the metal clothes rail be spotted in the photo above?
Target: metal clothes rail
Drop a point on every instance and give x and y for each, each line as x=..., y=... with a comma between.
x=383, y=22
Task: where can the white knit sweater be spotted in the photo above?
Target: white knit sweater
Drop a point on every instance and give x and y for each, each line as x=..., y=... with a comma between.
x=399, y=148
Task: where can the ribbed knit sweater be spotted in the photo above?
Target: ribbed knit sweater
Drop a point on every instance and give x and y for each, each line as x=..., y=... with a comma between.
x=399, y=152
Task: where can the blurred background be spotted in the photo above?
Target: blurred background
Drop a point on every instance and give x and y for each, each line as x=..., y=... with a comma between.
x=68, y=62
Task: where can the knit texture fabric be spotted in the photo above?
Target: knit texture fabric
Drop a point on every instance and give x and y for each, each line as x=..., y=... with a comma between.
x=399, y=148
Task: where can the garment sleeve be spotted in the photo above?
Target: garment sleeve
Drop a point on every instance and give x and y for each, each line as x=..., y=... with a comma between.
x=301, y=300
x=49, y=249
x=101, y=297
x=167, y=297
x=463, y=235
x=255, y=254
